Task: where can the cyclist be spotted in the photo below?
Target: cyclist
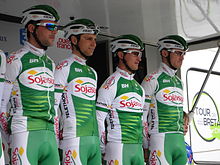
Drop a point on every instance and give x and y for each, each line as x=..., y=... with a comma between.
x=30, y=87
x=120, y=103
x=164, y=104
x=2, y=79
x=76, y=85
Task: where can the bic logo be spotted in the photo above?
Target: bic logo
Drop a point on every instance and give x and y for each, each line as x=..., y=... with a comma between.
x=33, y=60
x=124, y=85
x=78, y=70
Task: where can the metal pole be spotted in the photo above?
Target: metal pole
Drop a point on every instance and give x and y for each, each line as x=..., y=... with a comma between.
x=191, y=113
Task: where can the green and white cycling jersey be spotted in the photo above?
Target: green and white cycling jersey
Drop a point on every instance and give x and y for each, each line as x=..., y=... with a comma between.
x=75, y=86
x=30, y=87
x=164, y=101
x=120, y=101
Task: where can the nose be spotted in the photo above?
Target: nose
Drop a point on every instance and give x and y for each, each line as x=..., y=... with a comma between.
x=139, y=58
x=182, y=57
x=93, y=43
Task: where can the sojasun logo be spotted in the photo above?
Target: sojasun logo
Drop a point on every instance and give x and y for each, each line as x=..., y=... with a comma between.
x=170, y=97
x=85, y=87
x=70, y=157
x=155, y=157
x=130, y=102
x=38, y=78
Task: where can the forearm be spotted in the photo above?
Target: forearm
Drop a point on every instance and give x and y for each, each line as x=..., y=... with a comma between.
x=101, y=126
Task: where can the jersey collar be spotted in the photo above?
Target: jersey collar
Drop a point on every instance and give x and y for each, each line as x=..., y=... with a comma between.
x=125, y=74
x=79, y=59
x=167, y=69
x=34, y=50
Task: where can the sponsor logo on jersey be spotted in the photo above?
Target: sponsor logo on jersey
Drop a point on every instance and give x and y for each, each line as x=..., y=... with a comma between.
x=70, y=157
x=61, y=65
x=153, y=116
x=111, y=117
x=123, y=74
x=166, y=81
x=10, y=59
x=65, y=104
x=125, y=85
x=170, y=97
x=155, y=157
x=109, y=83
x=85, y=87
x=113, y=162
x=78, y=59
x=148, y=78
x=4, y=122
x=16, y=155
x=56, y=125
x=38, y=78
x=130, y=102
x=33, y=60
x=78, y=70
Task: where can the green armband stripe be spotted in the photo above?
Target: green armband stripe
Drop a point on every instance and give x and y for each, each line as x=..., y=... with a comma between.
x=59, y=90
x=147, y=100
x=2, y=80
x=101, y=109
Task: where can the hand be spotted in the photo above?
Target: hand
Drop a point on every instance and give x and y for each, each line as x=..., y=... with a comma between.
x=146, y=156
x=103, y=160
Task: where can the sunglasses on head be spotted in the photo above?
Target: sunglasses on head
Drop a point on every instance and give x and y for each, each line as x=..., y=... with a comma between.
x=177, y=52
x=134, y=52
x=49, y=26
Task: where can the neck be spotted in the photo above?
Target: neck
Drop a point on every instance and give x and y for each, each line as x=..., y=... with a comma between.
x=77, y=53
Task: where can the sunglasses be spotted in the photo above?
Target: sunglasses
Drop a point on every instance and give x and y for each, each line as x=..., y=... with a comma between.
x=177, y=52
x=49, y=26
x=134, y=52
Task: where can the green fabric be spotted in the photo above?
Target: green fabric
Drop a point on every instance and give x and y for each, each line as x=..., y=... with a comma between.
x=175, y=154
x=133, y=154
x=42, y=148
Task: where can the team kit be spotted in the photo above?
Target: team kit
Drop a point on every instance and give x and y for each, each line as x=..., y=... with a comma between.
x=55, y=114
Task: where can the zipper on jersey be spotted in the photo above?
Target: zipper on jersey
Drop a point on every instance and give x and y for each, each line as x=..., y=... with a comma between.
x=48, y=92
x=175, y=86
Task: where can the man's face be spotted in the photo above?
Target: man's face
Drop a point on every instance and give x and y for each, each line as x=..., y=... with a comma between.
x=87, y=44
x=45, y=34
x=176, y=58
x=133, y=58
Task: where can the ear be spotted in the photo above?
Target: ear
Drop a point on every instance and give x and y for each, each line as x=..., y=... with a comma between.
x=120, y=54
x=31, y=28
x=164, y=53
x=74, y=40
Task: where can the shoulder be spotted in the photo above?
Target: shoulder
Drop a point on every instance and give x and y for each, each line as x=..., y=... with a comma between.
x=64, y=64
x=2, y=55
x=93, y=69
x=15, y=57
x=151, y=77
x=110, y=81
